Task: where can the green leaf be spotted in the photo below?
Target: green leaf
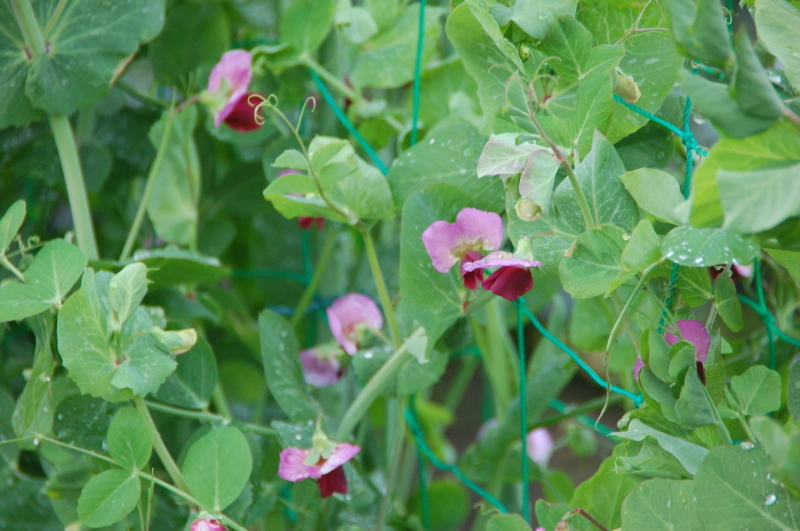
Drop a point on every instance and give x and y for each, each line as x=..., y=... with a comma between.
x=191, y=384
x=81, y=58
x=170, y=266
x=507, y=522
x=387, y=60
x=108, y=498
x=83, y=421
x=217, y=467
x=593, y=113
x=694, y=408
x=751, y=87
x=693, y=247
x=177, y=54
x=297, y=195
x=305, y=24
x=778, y=25
x=643, y=248
x=594, y=263
x=656, y=192
x=575, y=59
x=757, y=391
x=15, y=109
x=660, y=505
x=53, y=272
x=10, y=224
x=449, y=155
x=173, y=204
x=733, y=492
x=598, y=176
x=694, y=285
x=788, y=259
x=282, y=369
x=447, y=90
x=130, y=439
x=602, y=495
x=690, y=455
x=793, y=391
x=126, y=291
x=700, y=30
x=292, y=159
x=728, y=305
x=534, y=17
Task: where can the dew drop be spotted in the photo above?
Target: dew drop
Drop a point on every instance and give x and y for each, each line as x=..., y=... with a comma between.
x=698, y=260
x=770, y=499
x=298, y=437
x=433, y=141
x=368, y=355
x=670, y=254
x=542, y=17
x=36, y=442
x=669, y=504
x=683, y=257
x=747, y=445
x=626, y=237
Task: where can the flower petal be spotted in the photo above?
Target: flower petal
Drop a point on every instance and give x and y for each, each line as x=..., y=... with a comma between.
x=235, y=68
x=319, y=371
x=637, y=368
x=343, y=453
x=207, y=524
x=473, y=230
x=499, y=259
x=509, y=282
x=333, y=481
x=440, y=240
x=292, y=467
x=540, y=446
x=479, y=226
x=240, y=115
x=695, y=333
x=349, y=311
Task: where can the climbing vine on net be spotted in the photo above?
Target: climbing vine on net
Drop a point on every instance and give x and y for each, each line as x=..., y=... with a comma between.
x=350, y=265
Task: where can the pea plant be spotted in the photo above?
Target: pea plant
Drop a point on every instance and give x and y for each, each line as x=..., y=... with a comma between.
x=496, y=265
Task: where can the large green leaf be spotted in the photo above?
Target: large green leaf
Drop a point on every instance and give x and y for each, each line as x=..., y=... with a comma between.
x=594, y=263
x=534, y=17
x=660, y=505
x=751, y=87
x=603, y=494
x=757, y=391
x=306, y=23
x=194, y=379
x=699, y=28
x=692, y=247
x=788, y=259
x=170, y=266
x=449, y=154
x=108, y=497
x=217, y=467
x=173, y=204
x=507, y=522
x=85, y=42
x=387, y=60
x=34, y=413
x=130, y=438
x=53, y=272
x=733, y=492
x=778, y=25
x=10, y=224
x=656, y=192
x=690, y=455
x=282, y=369
x=727, y=302
x=574, y=57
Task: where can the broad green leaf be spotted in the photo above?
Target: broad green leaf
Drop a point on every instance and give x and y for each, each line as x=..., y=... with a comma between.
x=690, y=455
x=34, y=413
x=126, y=291
x=707, y=247
x=15, y=109
x=699, y=28
x=643, y=248
x=594, y=263
x=728, y=305
x=694, y=285
x=652, y=461
x=754, y=201
x=297, y=195
x=752, y=88
x=173, y=205
x=282, y=369
x=598, y=176
x=305, y=24
x=534, y=17
x=292, y=159
x=170, y=266
x=778, y=25
x=593, y=112
x=656, y=354
x=793, y=391
x=177, y=54
x=652, y=146
x=194, y=379
x=656, y=192
x=733, y=492
x=53, y=272
x=757, y=391
x=130, y=439
x=507, y=522
x=602, y=495
x=788, y=259
x=448, y=90
x=660, y=505
x=355, y=23
x=108, y=497
x=779, y=143
x=83, y=421
x=83, y=58
x=682, y=356
x=10, y=224
x=111, y=369
x=694, y=408
x=388, y=59
x=574, y=57
x=217, y=467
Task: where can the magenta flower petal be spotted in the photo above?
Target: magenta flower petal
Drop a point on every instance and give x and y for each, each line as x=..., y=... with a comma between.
x=333, y=481
x=292, y=468
x=207, y=524
x=471, y=278
x=343, y=453
x=509, y=282
x=637, y=368
x=695, y=333
x=540, y=446
x=319, y=368
x=350, y=316
x=499, y=259
x=473, y=230
x=232, y=74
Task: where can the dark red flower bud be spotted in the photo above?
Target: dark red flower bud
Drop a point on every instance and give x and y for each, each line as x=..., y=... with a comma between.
x=243, y=116
x=305, y=222
x=509, y=282
x=471, y=278
x=333, y=481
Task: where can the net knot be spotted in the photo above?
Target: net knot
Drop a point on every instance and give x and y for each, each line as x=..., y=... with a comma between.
x=690, y=142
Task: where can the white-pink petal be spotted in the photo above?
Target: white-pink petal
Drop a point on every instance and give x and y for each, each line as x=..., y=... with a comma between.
x=293, y=468
x=695, y=333
x=473, y=230
x=343, y=453
x=499, y=259
x=235, y=69
x=349, y=315
x=540, y=446
x=319, y=370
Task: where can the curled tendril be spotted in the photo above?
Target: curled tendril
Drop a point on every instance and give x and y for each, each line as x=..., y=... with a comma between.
x=313, y=101
x=271, y=102
x=33, y=240
x=728, y=16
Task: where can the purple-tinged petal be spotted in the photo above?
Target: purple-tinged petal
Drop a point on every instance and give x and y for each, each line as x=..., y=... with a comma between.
x=232, y=74
x=440, y=242
x=509, y=282
x=207, y=524
x=349, y=316
x=343, y=453
x=319, y=369
x=473, y=230
x=695, y=333
x=289, y=172
x=637, y=368
x=293, y=468
x=333, y=481
x=471, y=278
x=500, y=259
x=485, y=228
x=540, y=446
x=744, y=271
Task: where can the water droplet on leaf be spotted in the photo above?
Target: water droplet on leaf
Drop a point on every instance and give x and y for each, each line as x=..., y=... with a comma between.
x=747, y=445
x=770, y=499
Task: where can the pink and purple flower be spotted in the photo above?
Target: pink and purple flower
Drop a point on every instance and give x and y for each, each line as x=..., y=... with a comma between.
x=691, y=331
x=297, y=464
x=321, y=366
x=350, y=318
x=207, y=524
x=227, y=94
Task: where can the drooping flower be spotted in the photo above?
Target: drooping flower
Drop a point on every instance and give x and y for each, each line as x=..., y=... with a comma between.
x=511, y=279
x=322, y=462
x=227, y=95
x=695, y=333
x=321, y=366
x=305, y=222
x=242, y=117
x=637, y=368
x=207, y=524
x=540, y=446
x=350, y=317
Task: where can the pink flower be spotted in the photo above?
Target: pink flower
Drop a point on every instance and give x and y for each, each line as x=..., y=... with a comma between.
x=294, y=466
x=540, y=446
x=637, y=368
x=207, y=524
x=321, y=366
x=695, y=333
x=737, y=271
x=474, y=230
x=350, y=316
x=511, y=280
x=228, y=83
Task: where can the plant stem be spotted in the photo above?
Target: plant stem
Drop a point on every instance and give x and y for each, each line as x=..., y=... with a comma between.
x=29, y=26
x=158, y=443
x=627, y=306
x=221, y=402
x=397, y=438
x=332, y=80
x=141, y=96
x=746, y=428
x=203, y=415
x=319, y=272
x=370, y=392
x=791, y=116
x=591, y=518
x=380, y=284
x=11, y=267
x=150, y=184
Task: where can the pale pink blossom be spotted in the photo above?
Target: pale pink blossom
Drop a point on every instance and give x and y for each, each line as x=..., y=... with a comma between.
x=350, y=317
x=228, y=83
x=207, y=524
x=473, y=230
x=695, y=333
x=321, y=366
x=328, y=472
x=540, y=446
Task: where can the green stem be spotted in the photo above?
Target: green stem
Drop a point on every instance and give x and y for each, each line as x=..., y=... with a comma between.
x=332, y=80
x=627, y=306
x=397, y=438
x=319, y=273
x=746, y=428
x=380, y=284
x=724, y=434
x=495, y=367
x=373, y=388
x=76, y=188
x=161, y=449
x=31, y=32
x=204, y=416
x=141, y=96
x=221, y=402
x=150, y=184
x=11, y=267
